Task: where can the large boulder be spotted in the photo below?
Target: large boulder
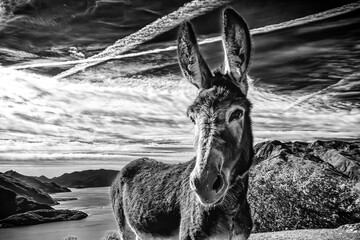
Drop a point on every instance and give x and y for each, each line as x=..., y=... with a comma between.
x=302, y=185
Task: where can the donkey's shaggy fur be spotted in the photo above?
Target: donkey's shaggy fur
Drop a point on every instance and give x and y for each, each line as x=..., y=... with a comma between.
x=204, y=198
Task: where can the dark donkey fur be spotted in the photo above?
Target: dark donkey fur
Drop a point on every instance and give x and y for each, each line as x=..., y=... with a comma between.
x=204, y=198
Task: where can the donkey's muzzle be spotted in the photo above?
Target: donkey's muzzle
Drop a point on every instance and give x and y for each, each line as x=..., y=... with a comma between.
x=210, y=186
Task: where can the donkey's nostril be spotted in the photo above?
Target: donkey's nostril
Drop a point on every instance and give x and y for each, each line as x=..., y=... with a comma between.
x=218, y=184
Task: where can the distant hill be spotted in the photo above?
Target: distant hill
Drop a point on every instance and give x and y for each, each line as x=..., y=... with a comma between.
x=43, y=178
x=87, y=178
x=12, y=203
x=26, y=190
x=45, y=186
x=24, y=201
x=17, y=196
x=41, y=216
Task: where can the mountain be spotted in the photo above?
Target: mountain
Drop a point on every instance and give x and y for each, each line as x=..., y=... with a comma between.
x=87, y=178
x=45, y=186
x=12, y=203
x=23, y=201
x=26, y=190
x=43, y=178
x=340, y=157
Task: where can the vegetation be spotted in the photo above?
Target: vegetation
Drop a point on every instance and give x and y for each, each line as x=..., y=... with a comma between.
x=71, y=238
x=110, y=235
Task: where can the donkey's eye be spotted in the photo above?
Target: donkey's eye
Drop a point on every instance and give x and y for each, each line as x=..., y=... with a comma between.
x=237, y=114
x=192, y=119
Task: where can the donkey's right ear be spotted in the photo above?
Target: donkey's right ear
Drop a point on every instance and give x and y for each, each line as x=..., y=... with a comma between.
x=191, y=62
x=237, y=46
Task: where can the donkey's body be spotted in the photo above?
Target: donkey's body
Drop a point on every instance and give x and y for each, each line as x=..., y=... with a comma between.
x=153, y=199
x=204, y=198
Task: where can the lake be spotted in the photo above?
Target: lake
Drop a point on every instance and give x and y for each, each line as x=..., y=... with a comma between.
x=94, y=201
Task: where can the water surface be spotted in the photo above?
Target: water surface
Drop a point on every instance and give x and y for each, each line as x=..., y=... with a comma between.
x=94, y=201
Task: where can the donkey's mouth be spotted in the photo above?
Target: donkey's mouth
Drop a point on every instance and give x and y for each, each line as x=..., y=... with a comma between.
x=211, y=202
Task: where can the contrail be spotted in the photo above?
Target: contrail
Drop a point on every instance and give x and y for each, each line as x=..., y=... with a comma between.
x=188, y=11
x=171, y=20
x=315, y=94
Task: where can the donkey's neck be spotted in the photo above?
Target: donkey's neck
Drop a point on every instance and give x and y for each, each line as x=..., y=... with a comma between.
x=245, y=158
x=238, y=172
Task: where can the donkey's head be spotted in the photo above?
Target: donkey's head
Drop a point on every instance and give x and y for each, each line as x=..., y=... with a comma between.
x=221, y=111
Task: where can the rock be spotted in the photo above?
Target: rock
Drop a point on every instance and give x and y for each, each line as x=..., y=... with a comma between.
x=351, y=227
x=41, y=216
x=343, y=157
x=342, y=163
x=47, y=187
x=268, y=150
x=302, y=185
x=87, y=178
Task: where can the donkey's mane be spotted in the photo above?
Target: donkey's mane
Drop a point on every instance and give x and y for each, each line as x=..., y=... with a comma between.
x=225, y=80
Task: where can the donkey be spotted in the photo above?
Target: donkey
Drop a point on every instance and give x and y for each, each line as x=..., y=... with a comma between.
x=204, y=198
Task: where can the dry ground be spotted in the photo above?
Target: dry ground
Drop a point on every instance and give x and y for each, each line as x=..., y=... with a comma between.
x=309, y=234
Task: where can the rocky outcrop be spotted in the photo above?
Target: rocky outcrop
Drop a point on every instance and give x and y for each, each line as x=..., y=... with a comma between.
x=355, y=227
x=342, y=162
x=87, y=178
x=298, y=185
x=45, y=186
x=41, y=216
x=341, y=157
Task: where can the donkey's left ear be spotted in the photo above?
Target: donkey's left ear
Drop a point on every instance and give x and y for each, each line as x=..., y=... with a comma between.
x=237, y=46
x=191, y=62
